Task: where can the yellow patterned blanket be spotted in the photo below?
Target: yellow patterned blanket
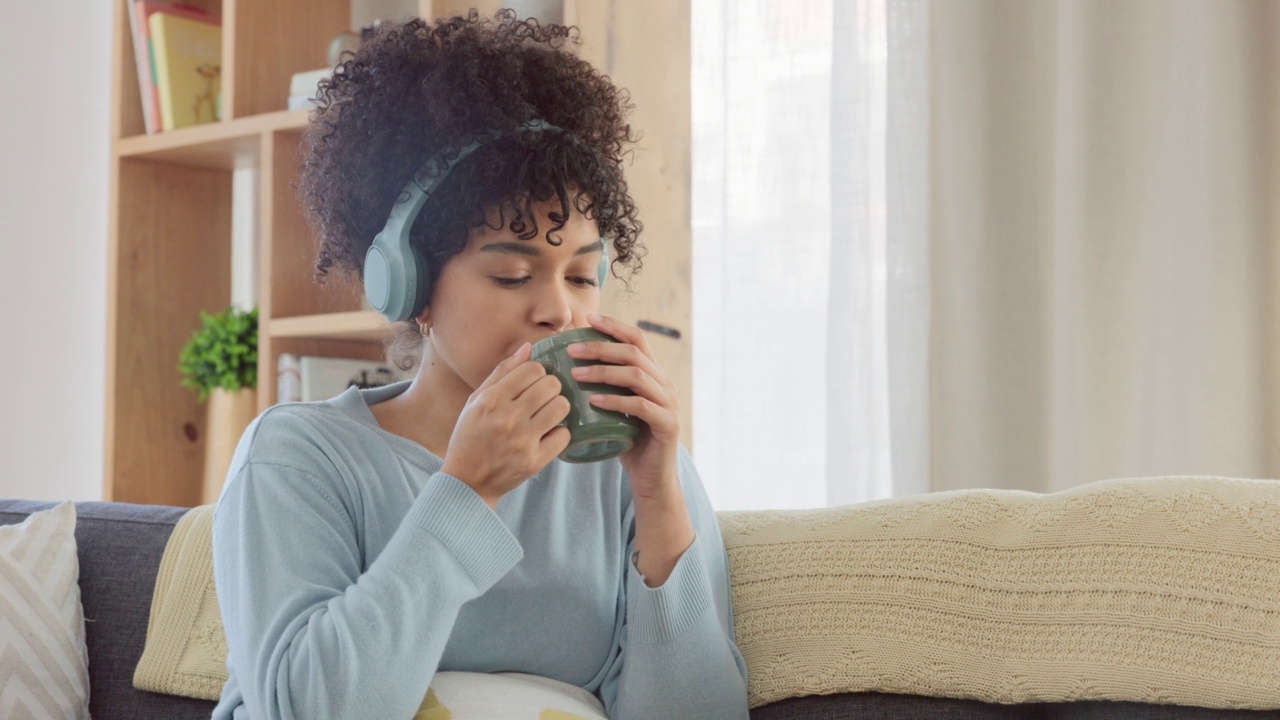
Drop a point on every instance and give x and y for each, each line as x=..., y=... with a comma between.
x=1160, y=590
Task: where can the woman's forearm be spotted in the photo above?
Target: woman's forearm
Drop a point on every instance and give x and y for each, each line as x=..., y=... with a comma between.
x=663, y=532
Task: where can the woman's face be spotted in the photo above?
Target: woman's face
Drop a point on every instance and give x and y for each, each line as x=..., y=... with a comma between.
x=501, y=292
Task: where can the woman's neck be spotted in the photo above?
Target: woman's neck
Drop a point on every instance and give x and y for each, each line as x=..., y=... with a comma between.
x=428, y=410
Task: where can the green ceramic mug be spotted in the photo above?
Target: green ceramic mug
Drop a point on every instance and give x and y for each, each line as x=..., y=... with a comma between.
x=596, y=434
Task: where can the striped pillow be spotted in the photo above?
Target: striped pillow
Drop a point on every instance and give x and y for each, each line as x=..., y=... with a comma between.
x=44, y=665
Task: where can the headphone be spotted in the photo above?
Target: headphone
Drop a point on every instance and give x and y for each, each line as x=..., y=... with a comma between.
x=396, y=275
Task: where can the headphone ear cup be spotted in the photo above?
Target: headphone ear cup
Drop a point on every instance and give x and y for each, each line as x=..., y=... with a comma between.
x=603, y=270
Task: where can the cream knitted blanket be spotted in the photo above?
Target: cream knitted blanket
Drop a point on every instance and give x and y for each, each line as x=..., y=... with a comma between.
x=186, y=650
x=1162, y=590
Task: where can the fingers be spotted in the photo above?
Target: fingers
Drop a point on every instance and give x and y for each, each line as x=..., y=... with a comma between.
x=626, y=366
x=542, y=393
x=628, y=363
x=628, y=334
x=631, y=377
x=505, y=367
x=550, y=414
x=554, y=443
x=534, y=395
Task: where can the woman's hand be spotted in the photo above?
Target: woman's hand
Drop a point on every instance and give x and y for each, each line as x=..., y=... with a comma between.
x=651, y=462
x=663, y=527
x=509, y=428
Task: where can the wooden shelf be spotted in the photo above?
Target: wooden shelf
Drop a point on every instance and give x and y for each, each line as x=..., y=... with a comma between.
x=359, y=325
x=170, y=237
x=225, y=145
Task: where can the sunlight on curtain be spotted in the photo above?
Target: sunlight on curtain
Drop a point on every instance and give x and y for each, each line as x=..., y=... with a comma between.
x=789, y=253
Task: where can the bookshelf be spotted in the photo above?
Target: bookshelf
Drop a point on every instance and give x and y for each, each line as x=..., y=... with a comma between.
x=170, y=222
x=170, y=238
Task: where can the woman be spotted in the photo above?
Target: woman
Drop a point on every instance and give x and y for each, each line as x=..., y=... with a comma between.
x=364, y=543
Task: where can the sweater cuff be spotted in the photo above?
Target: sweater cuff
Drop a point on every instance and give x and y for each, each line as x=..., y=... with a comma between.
x=450, y=511
x=656, y=615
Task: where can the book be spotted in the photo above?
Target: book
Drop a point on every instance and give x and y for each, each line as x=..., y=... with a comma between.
x=304, y=86
x=142, y=62
x=307, y=82
x=187, y=54
x=139, y=13
x=308, y=378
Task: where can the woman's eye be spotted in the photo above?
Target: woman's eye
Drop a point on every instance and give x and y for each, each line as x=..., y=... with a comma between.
x=510, y=282
x=584, y=282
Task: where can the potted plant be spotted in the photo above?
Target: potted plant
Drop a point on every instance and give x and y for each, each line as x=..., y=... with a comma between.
x=220, y=362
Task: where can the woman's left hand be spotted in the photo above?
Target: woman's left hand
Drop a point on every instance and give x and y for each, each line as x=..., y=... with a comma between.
x=651, y=462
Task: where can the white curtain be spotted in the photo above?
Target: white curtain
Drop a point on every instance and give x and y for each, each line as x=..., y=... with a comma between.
x=983, y=243
x=795, y=282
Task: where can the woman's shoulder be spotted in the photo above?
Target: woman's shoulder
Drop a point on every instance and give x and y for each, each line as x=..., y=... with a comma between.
x=303, y=433
x=302, y=419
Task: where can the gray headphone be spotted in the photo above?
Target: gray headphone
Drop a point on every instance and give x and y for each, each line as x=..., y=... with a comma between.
x=396, y=275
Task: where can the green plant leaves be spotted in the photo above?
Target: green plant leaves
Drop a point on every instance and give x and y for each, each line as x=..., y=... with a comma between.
x=223, y=353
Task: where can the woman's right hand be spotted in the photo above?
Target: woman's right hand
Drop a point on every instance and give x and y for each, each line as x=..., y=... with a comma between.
x=509, y=428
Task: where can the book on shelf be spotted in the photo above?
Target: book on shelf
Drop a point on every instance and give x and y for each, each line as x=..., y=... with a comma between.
x=307, y=378
x=187, y=56
x=303, y=87
x=140, y=12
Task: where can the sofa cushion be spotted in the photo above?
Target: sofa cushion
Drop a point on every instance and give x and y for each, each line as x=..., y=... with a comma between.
x=43, y=662
x=1161, y=590
x=119, y=547
x=186, y=650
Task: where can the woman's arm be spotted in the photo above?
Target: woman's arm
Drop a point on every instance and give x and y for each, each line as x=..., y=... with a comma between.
x=309, y=634
x=677, y=656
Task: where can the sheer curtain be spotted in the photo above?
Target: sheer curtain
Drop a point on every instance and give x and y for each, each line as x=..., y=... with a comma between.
x=808, y=246
x=981, y=243
x=1105, y=241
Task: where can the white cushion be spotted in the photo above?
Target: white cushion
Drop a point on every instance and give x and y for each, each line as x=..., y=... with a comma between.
x=506, y=696
x=44, y=665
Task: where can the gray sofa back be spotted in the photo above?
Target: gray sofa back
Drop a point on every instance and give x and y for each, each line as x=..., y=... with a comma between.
x=120, y=547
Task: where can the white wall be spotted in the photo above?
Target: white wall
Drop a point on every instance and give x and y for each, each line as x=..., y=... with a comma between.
x=55, y=94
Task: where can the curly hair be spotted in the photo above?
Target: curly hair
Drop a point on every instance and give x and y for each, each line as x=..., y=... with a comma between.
x=426, y=89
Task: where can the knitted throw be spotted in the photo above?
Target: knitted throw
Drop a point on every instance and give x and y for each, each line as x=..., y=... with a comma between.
x=186, y=650
x=1161, y=590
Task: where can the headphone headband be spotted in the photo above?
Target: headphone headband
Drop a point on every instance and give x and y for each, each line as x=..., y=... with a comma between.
x=395, y=274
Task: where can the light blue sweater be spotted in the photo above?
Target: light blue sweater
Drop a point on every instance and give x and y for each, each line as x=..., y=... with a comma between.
x=349, y=570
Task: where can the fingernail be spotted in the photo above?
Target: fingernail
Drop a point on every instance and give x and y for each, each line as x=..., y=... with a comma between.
x=520, y=349
x=594, y=317
x=575, y=348
x=579, y=372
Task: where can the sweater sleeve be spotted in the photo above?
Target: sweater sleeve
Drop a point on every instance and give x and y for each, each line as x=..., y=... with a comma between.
x=677, y=657
x=311, y=635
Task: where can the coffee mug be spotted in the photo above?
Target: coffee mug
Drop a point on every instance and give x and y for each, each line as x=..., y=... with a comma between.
x=596, y=434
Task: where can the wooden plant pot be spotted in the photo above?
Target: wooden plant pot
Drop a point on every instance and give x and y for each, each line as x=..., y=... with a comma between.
x=229, y=413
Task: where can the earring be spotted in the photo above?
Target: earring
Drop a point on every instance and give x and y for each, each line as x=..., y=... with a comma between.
x=425, y=329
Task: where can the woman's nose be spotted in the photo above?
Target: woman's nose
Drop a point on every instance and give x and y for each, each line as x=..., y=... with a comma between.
x=553, y=308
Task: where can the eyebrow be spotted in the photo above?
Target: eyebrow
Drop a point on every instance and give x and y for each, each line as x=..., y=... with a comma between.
x=533, y=251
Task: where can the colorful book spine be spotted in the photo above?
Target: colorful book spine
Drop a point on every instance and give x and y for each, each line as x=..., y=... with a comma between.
x=142, y=61
x=187, y=56
x=140, y=12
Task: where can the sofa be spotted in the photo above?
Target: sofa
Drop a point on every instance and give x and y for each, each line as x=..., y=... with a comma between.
x=120, y=547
